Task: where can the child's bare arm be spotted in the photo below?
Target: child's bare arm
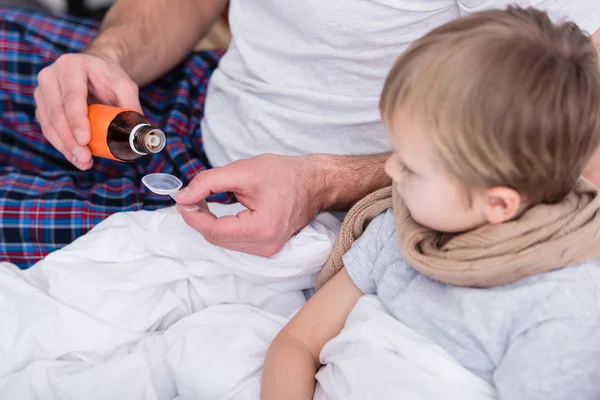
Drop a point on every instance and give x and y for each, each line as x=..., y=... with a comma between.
x=293, y=358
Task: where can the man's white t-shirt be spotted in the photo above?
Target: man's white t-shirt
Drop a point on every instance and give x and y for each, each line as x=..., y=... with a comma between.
x=304, y=77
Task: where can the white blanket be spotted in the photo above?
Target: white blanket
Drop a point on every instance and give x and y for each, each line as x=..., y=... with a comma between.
x=143, y=308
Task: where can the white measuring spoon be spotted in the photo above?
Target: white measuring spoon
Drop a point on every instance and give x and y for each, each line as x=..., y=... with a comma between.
x=165, y=184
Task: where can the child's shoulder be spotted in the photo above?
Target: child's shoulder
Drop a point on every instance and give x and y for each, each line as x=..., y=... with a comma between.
x=569, y=292
x=383, y=225
x=380, y=233
x=554, y=322
x=584, y=276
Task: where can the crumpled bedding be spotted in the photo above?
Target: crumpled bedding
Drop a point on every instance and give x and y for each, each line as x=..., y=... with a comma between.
x=142, y=307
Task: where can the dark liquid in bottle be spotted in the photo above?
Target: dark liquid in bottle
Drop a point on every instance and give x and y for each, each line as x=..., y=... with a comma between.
x=118, y=134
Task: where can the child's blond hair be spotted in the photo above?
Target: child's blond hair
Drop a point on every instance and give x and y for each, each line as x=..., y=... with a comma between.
x=508, y=98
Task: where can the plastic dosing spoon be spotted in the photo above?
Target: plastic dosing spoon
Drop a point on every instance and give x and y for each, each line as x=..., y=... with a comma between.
x=165, y=184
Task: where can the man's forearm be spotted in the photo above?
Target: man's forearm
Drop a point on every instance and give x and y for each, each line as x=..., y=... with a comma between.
x=147, y=38
x=344, y=180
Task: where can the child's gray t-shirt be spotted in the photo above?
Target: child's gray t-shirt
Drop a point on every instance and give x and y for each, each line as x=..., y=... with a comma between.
x=538, y=338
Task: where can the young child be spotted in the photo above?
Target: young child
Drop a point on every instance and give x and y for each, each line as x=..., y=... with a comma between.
x=492, y=248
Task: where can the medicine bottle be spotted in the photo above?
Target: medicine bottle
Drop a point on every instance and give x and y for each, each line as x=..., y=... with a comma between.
x=122, y=134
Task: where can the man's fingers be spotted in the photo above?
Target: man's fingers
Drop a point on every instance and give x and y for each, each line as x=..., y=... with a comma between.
x=51, y=135
x=51, y=97
x=257, y=249
x=261, y=229
x=216, y=180
x=72, y=78
x=127, y=95
x=201, y=220
x=49, y=132
x=225, y=229
x=241, y=232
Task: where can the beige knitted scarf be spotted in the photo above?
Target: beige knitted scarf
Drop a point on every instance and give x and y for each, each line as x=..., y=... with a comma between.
x=546, y=237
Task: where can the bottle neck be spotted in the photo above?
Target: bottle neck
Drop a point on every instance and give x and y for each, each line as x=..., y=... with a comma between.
x=145, y=139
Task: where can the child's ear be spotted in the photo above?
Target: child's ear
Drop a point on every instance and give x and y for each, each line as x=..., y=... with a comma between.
x=501, y=204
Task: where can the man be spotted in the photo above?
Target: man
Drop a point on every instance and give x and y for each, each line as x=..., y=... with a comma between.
x=290, y=123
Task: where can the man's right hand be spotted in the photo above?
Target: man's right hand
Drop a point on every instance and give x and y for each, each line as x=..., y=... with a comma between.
x=64, y=90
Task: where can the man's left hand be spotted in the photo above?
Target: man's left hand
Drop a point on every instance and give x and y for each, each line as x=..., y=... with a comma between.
x=281, y=194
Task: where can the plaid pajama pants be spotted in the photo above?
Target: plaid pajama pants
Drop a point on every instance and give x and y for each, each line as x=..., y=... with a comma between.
x=45, y=202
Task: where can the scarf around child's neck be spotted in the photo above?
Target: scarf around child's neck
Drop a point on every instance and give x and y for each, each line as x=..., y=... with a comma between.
x=544, y=238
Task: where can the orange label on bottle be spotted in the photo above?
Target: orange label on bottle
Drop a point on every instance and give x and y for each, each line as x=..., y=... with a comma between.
x=100, y=117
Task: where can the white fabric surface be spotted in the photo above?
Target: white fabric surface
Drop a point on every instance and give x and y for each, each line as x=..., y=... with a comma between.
x=377, y=357
x=143, y=308
x=90, y=318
